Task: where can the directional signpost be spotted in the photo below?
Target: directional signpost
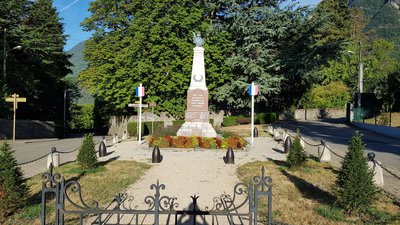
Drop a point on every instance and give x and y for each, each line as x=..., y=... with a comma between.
x=253, y=91
x=15, y=99
x=140, y=94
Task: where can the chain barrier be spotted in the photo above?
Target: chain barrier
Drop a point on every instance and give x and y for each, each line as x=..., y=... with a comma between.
x=387, y=170
x=325, y=145
x=53, y=150
x=313, y=145
x=34, y=160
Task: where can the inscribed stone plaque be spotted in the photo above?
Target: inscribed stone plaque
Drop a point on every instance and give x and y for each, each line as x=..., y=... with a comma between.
x=197, y=100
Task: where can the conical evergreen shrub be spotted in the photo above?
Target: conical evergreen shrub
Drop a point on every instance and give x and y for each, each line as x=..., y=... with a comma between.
x=13, y=190
x=355, y=189
x=296, y=156
x=87, y=153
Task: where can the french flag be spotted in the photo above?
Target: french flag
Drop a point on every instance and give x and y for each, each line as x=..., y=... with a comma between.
x=140, y=91
x=253, y=89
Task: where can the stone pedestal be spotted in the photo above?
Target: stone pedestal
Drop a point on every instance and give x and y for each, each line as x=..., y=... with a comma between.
x=196, y=116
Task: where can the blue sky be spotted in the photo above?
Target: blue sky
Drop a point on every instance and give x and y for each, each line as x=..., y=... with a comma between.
x=73, y=12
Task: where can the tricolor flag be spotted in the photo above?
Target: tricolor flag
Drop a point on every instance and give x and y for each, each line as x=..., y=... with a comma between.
x=140, y=91
x=253, y=89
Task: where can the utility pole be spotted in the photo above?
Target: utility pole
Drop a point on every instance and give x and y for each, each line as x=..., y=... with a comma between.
x=5, y=54
x=360, y=78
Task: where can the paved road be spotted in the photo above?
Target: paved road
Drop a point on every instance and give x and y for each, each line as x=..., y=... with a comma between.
x=27, y=150
x=337, y=134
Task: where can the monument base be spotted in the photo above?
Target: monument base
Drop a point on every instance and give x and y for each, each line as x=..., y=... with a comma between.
x=201, y=129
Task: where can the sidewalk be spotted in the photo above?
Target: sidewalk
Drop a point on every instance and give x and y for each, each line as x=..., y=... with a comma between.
x=187, y=172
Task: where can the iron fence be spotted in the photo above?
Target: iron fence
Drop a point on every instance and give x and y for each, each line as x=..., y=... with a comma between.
x=240, y=208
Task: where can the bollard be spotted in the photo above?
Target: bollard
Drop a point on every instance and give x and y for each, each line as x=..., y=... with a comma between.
x=287, y=144
x=102, y=149
x=53, y=158
x=302, y=143
x=285, y=135
x=270, y=130
x=156, y=157
x=230, y=157
x=255, y=132
x=103, y=139
x=376, y=168
x=114, y=139
x=124, y=136
x=277, y=136
x=324, y=154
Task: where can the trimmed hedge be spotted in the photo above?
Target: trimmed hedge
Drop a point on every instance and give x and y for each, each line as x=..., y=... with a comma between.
x=146, y=127
x=229, y=121
x=178, y=122
x=235, y=142
x=263, y=118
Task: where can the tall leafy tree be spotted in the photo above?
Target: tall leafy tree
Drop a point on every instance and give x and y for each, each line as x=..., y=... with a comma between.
x=274, y=46
x=146, y=42
x=38, y=70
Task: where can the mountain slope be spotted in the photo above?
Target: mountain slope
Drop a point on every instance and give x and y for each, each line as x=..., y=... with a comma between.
x=384, y=18
x=79, y=64
x=77, y=59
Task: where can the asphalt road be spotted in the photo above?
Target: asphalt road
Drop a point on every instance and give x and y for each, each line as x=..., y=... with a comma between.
x=28, y=150
x=337, y=134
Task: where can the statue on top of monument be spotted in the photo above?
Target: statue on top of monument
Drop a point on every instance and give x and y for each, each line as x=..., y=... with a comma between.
x=198, y=40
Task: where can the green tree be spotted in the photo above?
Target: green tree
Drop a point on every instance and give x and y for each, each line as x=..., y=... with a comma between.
x=333, y=95
x=13, y=190
x=81, y=116
x=150, y=43
x=38, y=70
x=297, y=155
x=87, y=154
x=269, y=43
x=355, y=189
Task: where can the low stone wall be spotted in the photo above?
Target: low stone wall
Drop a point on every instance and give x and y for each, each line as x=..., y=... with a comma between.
x=119, y=124
x=26, y=129
x=393, y=132
x=315, y=114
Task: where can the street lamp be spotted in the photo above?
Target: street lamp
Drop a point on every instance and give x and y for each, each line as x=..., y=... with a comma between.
x=360, y=76
x=19, y=47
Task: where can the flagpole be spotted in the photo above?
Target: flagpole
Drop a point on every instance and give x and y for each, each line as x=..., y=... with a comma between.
x=140, y=113
x=252, y=113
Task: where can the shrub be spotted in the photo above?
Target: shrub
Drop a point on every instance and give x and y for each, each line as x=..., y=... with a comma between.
x=229, y=121
x=81, y=116
x=178, y=122
x=194, y=142
x=263, y=118
x=167, y=131
x=296, y=155
x=355, y=189
x=333, y=95
x=87, y=154
x=13, y=191
x=132, y=128
x=157, y=125
x=211, y=121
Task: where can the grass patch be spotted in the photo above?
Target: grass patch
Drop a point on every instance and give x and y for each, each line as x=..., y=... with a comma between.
x=331, y=213
x=100, y=184
x=304, y=196
x=78, y=170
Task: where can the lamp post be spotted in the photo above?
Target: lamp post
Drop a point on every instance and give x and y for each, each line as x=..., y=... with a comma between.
x=360, y=75
x=19, y=47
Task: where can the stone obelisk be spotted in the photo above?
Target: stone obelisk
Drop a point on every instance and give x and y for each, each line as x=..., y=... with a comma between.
x=196, y=116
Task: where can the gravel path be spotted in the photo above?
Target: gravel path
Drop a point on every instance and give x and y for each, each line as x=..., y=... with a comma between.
x=192, y=172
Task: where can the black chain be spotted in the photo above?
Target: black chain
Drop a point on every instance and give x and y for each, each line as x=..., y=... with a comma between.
x=314, y=145
x=387, y=170
x=333, y=151
x=67, y=152
x=34, y=160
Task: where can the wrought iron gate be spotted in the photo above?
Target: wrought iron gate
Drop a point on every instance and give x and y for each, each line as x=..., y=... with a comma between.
x=225, y=210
